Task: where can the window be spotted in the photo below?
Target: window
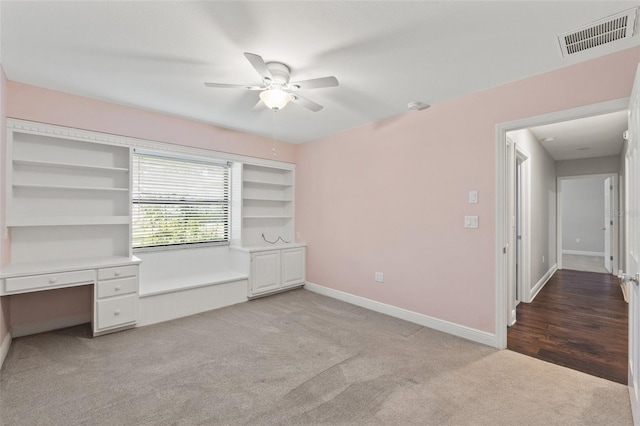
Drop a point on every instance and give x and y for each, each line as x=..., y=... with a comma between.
x=178, y=202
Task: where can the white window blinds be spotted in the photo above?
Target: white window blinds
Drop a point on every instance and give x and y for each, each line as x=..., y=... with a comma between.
x=178, y=202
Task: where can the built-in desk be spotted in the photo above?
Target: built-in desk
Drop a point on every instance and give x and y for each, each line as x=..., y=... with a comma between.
x=115, y=281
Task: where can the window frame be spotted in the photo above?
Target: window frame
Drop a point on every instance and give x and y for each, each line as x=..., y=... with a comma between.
x=186, y=159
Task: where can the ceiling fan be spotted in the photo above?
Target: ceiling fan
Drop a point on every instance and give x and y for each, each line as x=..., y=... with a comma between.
x=276, y=90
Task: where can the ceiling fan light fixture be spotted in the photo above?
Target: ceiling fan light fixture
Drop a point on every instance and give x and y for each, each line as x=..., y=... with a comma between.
x=276, y=99
x=275, y=91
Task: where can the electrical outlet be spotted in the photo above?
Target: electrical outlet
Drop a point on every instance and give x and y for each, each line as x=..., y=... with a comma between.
x=542, y=259
x=578, y=240
x=379, y=277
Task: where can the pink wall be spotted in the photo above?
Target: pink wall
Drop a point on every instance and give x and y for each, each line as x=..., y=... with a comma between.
x=391, y=196
x=43, y=306
x=49, y=106
x=5, y=324
x=52, y=107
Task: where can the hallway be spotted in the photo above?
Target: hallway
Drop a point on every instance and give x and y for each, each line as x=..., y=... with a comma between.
x=579, y=321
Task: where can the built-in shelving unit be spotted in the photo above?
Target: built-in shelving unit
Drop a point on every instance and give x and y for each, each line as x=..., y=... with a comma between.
x=263, y=205
x=68, y=212
x=267, y=204
x=63, y=191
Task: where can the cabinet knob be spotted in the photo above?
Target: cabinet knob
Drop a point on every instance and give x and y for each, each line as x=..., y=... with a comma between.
x=117, y=288
x=116, y=273
x=53, y=280
x=116, y=312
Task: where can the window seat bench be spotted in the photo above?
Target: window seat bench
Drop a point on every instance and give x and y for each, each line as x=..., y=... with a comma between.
x=179, y=283
x=188, y=281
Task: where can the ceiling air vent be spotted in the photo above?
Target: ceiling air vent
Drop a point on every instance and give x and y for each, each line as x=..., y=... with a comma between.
x=601, y=32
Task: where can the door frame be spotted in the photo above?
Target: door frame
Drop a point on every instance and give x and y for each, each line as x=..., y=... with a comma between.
x=524, y=272
x=501, y=296
x=519, y=208
x=614, y=228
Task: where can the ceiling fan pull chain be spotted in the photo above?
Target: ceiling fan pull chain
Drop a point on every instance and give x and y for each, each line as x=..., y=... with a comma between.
x=273, y=133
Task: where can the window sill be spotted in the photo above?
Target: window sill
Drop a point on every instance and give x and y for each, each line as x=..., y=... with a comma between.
x=179, y=247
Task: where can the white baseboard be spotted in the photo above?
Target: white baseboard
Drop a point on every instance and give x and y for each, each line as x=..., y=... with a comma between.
x=414, y=317
x=54, y=324
x=624, y=286
x=635, y=415
x=584, y=253
x=540, y=284
x=4, y=347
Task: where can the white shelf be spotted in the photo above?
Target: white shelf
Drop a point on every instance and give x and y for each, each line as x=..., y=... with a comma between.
x=69, y=166
x=264, y=183
x=278, y=246
x=68, y=221
x=267, y=217
x=267, y=199
x=68, y=187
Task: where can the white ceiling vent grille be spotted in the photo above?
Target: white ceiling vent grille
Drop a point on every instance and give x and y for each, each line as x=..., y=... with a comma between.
x=601, y=32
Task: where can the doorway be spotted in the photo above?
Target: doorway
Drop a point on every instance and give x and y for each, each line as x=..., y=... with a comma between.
x=588, y=223
x=505, y=224
x=593, y=227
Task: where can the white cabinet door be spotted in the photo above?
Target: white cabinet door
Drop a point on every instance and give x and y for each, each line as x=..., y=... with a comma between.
x=265, y=271
x=293, y=267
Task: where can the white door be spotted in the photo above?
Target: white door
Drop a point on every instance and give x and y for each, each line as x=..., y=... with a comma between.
x=633, y=245
x=608, y=188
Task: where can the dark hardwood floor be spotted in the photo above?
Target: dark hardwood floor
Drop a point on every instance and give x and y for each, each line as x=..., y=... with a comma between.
x=579, y=321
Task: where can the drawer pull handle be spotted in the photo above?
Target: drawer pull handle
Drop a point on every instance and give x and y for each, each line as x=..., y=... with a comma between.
x=116, y=273
x=117, y=288
x=53, y=280
x=117, y=312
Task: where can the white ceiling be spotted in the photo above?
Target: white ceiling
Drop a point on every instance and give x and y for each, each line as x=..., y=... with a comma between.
x=598, y=136
x=156, y=55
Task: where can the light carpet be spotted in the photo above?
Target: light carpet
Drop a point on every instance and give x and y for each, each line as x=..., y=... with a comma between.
x=584, y=263
x=296, y=358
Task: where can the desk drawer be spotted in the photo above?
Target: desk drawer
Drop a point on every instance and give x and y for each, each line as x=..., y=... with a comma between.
x=116, y=311
x=117, y=272
x=42, y=282
x=117, y=287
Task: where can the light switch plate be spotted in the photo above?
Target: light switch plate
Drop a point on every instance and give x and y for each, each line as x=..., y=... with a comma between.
x=471, y=221
x=473, y=197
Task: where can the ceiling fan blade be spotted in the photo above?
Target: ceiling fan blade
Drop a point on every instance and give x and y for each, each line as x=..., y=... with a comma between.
x=258, y=63
x=307, y=103
x=233, y=86
x=315, y=83
x=259, y=105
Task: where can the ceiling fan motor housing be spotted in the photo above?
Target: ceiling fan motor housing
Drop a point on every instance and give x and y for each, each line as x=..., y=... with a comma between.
x=280, y=72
